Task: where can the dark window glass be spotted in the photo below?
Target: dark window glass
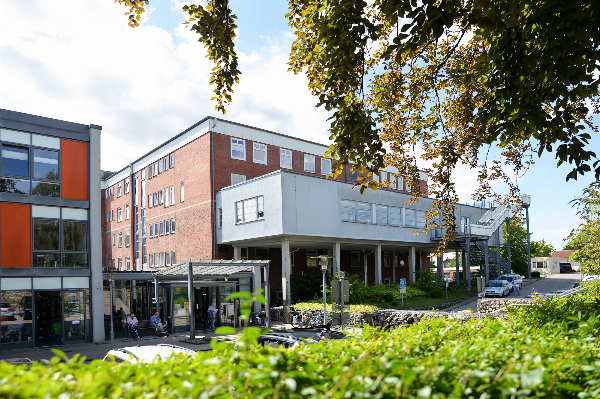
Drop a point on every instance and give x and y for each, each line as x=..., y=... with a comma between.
x=75, y=260
x=353, y=175
x=75, y=236
x=45, y=164
x=41, y=259
x=15, y=161
x=45, y=189
x=172, y=225
x=15, y=186
x=45, y=235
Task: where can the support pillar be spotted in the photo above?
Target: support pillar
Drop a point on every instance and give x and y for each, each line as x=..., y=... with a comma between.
x=337, y=265
x=365, y=268
x=378, y=280
x=256, y=285
x=468, y=263
x=237, y=253
x=286, y=274
x=191, y=300
x=487, y=261
x=156, y=297
x=457, y=278
x=528, y=244
x=498, y=251
x=508, y=245
x=411, y=264
x=440, y=266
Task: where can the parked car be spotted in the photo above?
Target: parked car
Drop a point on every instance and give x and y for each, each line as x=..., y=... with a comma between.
x=145, y=354
x=566, y=268
x=592, y=277
x=509, y=278
x=496, y=288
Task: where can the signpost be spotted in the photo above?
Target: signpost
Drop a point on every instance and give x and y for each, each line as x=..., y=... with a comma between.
x=340, y=292
x=402, y=289
x=447, y=281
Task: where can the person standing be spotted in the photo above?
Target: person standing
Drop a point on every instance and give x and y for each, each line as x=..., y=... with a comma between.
x=517, y=286
x=212, y=314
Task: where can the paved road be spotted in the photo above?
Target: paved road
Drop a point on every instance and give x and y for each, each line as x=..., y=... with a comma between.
x=548, y=284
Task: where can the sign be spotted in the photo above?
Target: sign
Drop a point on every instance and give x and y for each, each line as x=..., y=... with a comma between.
x=346, y=307
x=402, y=285
x=186, y=305
x=337, y=319
x=338, y=287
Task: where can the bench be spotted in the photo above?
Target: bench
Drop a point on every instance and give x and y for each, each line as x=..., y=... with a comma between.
x=142, y=325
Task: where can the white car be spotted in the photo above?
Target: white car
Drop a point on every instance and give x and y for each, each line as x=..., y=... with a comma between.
x=510, y=278
x=496, y=288
x=145, y=354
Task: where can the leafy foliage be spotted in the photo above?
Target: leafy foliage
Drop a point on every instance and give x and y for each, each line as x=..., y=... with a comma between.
x=586, y=238
x=518, y=250
x=429, y=283
x=310, y=286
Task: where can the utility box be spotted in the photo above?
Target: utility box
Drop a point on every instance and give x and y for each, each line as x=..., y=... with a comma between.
x=480, y=284
x=337, y=319
x=339, y=287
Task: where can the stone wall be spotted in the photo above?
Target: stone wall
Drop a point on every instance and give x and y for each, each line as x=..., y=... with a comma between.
x=494, y=305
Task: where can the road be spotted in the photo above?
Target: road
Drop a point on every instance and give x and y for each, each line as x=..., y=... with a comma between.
x=548, y=284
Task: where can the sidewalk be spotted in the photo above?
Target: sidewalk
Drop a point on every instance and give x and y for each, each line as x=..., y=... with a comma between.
x=471, y=303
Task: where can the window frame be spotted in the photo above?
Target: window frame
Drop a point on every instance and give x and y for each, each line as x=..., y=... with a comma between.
x=119, y=215
x=259, y=147
x=283, y=153
x=181, y=192
x=326, y=161
x=238, y=142
x=241, y=206
x=309, y=157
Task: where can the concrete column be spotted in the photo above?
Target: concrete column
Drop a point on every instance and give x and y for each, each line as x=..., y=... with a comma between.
x=508, y=243
x=365, y=268
x=529, y=245
x=411, y=264
x=498, y=251
x=256, y=285
x=468, y=263
x=378, y=273
x=440, y=266
x=191, y=300
x=237, y=253
x=487, y=261
x=286, y=273
x=96, y=283
x=337, y=265
x=457, y=278
x=393, y=255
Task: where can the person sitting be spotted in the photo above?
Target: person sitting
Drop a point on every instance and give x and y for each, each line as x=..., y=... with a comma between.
x=155, y=320
x=132, y=324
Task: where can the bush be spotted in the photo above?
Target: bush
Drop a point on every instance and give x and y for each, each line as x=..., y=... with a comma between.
x=306, y=288
x=535, y=275
x=429, y=283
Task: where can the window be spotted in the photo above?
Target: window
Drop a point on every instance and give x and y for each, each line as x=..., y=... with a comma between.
x=107, y=217
x=309, y=163
x=168, y=258
x=244, y=253
x=151, y=231
x=355, y=259
x=363, y=212
x=393, y=181
x=127, y=212
x=149, y=200
x=262, y=253
x=238, y=149
x=156, y=260
x=353, y=176
x=285, y=158
x=172, y=195
x=112, y=215
x=348, y=211
x=160, y=166
x=235, y=179
x=128, y=264
x=400, y=183
x=45, y=164
x=172, y=160
x=172, y=258
x=155, y=198
x=162, y=258
x=155, y=229
x=150, y=172
x=384, y=176
x=310, y=258
x=249, y=210
x=127, y=238
x=15, y=161
x=151, y=260
x=381, y=214
x=260, y=153
x=167, y=227
x=160, y=197
x=421, y=219
x=119, y=215
x=155, y=168
x=409, y=220
x=220, y=217
x=172, y=225
x=161, y=228
x=120, y=240
x=114, y=240
x=118, y=189
x=386, y=259
x=120, y=264
x=166, y=197
x=325, y=166
x=181, y=192
x=127, y=186
x=395, y=216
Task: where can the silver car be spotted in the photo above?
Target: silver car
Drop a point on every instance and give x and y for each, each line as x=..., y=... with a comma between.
x=496, y=288
x=145, y=354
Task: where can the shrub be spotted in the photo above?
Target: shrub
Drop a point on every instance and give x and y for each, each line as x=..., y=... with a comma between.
x=429, y=283
x=535, y=275
x=306, y=288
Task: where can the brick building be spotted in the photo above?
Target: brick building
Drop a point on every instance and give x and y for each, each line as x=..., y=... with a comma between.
x=222, y=190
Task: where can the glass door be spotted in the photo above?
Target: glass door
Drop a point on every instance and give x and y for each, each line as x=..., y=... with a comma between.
x=74, y=315
x=48, y=318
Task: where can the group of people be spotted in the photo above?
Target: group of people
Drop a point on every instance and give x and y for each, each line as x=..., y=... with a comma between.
x=134, y=328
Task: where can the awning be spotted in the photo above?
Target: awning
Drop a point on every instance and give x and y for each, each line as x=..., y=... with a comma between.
x=209, y=268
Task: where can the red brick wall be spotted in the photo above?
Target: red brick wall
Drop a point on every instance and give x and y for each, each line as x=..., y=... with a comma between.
x=115, y=227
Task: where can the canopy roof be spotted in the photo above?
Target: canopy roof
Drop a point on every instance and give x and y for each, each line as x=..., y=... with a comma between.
x=210, y=268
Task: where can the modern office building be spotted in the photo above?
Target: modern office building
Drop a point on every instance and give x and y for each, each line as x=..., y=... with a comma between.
x=222, y=190
x=50, y=231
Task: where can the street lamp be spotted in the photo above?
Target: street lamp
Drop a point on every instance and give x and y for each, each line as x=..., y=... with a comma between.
x=111, y=280
x=323, y=263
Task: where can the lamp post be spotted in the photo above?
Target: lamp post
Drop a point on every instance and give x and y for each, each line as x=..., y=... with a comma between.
x=109, y=276
x=323, y=263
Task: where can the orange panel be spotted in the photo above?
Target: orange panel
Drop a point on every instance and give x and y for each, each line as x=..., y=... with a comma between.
x=74, y=169
x=15, y=235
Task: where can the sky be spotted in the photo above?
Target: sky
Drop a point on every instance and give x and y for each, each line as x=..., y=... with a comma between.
x=79, y=61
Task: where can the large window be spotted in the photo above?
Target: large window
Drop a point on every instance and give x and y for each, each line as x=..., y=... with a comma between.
x=59, y=242
x=309, y=163
x=395, y=216
x=421, y=219
x=410, y=218
x=45, y=164
x=260, y=153
x=15, y=161
x=363, y=213
x=325, y=166
x=348, y=211
x=381, y=214
x=249, y=210
x=238, y=149
x=285, y=158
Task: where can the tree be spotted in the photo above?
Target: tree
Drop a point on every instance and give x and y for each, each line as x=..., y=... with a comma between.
x=485, y=83
x=541, y=248
x=586, y=238
x=518, y=250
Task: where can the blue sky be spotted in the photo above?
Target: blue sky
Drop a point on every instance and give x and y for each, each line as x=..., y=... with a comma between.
x=78, y=61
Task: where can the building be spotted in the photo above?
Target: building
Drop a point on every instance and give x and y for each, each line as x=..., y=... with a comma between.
x=222, y=190
x=566, y=257
x=50, y=242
